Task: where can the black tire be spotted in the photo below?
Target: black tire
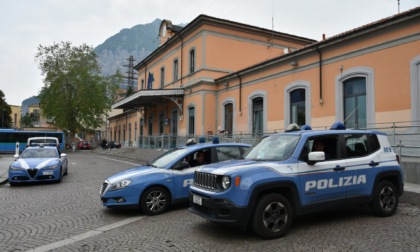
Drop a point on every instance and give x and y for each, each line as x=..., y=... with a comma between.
x=67, y=171
x=60, y=176
x=272, y=216
x=155, y=200
x=385, y=199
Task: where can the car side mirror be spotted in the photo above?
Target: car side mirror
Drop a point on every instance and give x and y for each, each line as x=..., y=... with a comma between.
x=63, y=155
x=16, y=156
x=315, y=156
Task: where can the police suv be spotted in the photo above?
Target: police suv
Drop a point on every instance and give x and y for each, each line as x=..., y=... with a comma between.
x=298, y=172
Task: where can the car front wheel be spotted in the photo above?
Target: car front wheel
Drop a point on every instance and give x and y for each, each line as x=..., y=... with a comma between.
x=272, y=217
x=385, y=199
x=154, y=200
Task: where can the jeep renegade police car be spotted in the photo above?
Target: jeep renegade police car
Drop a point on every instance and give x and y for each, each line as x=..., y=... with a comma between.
x=284, y=176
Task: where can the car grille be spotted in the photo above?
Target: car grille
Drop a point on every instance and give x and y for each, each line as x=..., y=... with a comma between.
x=205, y=180
x=103, y=188
x=32, y=172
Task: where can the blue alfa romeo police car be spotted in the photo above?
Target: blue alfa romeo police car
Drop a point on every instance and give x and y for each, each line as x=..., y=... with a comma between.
x=38, y=163
x=166, y=179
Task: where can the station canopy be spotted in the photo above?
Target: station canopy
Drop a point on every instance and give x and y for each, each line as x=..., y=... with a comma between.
x=150, y=97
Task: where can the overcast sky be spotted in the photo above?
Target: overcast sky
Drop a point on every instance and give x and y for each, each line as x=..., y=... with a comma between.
x=26, y=24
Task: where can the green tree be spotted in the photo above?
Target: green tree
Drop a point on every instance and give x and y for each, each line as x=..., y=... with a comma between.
x=26, y=121
x=6, y=111
x=74, y=93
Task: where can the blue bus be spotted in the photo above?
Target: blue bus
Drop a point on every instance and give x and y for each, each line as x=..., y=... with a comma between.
x=9, y=137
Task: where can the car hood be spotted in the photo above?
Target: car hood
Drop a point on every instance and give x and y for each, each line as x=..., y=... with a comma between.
x=133, y=173
x=35, y=163
x=229, y=167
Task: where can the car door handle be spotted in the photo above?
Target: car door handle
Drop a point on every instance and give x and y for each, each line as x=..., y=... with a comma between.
x=372, y=163
x=339, y=168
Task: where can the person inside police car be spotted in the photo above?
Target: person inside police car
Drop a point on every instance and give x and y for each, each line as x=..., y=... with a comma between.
x=319, y=145
x=199, y=159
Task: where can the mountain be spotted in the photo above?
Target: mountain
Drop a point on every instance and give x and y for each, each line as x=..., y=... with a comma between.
x=27, y=102
x=138, y=41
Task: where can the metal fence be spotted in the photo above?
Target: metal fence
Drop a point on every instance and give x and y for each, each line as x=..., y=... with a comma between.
x=403, y=136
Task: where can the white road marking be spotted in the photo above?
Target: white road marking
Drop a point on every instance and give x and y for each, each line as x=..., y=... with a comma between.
x=85, y=235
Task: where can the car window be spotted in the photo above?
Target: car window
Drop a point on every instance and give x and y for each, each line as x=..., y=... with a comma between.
x=274, y=148
x=39, y=153
x=325, y=143
x=359, y=145
x=163, y=160
x=230, y=152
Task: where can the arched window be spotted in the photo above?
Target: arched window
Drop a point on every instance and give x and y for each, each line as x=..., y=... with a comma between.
x=355, y=102
x=174, y=123
x=297, y=103
x=150, y=126
x=192, y=61
x=228, y=127
x=129, y=132
x=161, y=123
x=175, y=74
x=355, y=97
x=297, y=106
x=191, y=121
x=257, y=116
x=162, y=77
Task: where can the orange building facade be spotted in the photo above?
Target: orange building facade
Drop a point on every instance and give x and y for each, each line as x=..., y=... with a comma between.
x=215, y=76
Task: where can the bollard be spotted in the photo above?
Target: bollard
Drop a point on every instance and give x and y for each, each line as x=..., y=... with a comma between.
x=17, y=149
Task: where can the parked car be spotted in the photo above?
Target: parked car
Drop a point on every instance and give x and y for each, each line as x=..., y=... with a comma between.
x=33, y=141
x=84, y=145
x=290, y=174
x=166, y=179
x=38, y=163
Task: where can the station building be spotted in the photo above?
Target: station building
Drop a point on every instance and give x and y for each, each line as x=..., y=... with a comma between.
x=218, y=77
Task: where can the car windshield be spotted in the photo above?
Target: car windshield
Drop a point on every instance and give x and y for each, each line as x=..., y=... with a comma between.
x=166, y=158
x=274, y=148
x=39, y=153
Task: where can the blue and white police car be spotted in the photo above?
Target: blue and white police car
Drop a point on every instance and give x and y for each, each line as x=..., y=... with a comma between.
x=40, y=163
x=299, y=172
x=166, y=179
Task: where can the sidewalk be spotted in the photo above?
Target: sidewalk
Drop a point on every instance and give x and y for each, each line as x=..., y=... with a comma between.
x=5, y=161
x=411, y=190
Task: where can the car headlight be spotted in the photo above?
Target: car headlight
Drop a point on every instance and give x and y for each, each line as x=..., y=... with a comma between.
x=120, y=185
x=225, y=182
x=52, y=167
x=16, y=168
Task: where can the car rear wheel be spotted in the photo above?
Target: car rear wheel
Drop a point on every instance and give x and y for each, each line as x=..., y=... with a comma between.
x=272, y=217
x=385, y=201
x=154, y=200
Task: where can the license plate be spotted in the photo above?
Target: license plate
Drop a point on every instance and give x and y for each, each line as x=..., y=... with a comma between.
x=47, y=173
x=197, y=200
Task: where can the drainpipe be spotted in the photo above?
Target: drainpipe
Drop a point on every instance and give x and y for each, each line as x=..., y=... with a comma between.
x=321, y=101
x=240, y=94
x=182, y=47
